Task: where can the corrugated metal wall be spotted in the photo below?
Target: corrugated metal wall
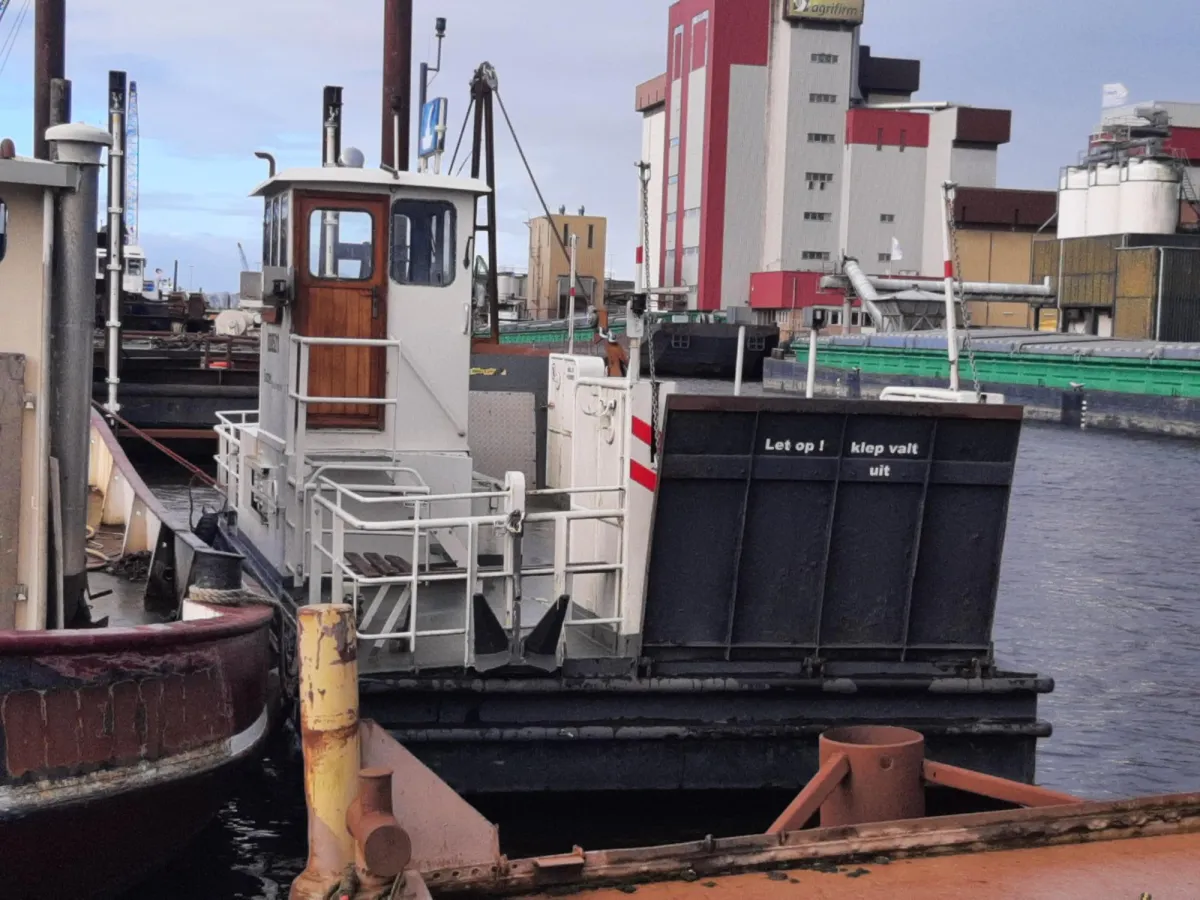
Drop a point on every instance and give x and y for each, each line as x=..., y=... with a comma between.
x=1137, y=284
x=1089, y=272
x=1181, y=295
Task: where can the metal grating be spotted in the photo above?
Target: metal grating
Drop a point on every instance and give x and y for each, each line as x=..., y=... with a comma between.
x=789, y=529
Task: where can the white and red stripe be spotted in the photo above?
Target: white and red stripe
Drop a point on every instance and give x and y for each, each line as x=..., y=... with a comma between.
x=643, y=437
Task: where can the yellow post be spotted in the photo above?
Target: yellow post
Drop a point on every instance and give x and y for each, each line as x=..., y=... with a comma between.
x=329, y=731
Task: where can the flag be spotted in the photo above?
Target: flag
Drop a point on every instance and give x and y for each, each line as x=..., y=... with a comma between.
x=1115, y=95
x=897, y=253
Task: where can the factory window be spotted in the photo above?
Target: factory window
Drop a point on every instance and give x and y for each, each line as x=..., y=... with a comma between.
x=566, y=233
x=822, y=98
x=879, y=140
x=3, y=230
x=341, y=244
x=903, y=139
x=674, y=142
x=674, y=179
x=677, y=61
x=887, y=218
x=815, y=138
x=681, y=341
x=885, y=257
x=423, y=242
x=829, y=59
x=591, y=237
x=818, y=178
x=815, y=254
x=818, y=217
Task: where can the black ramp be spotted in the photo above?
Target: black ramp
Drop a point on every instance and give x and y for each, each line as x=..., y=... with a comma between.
x=788, y=529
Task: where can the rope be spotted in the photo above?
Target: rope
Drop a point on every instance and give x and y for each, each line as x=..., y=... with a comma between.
x=232, y=597
x=545, y=208
x=461, y=132
x=195, y=470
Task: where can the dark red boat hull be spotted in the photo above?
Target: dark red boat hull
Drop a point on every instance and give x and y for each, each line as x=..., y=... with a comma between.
x=118, y=745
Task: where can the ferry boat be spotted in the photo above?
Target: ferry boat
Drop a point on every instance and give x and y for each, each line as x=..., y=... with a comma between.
x=130, y=695
x=704, y=584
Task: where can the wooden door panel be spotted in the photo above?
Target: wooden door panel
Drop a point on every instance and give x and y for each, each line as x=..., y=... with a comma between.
x=332, y=307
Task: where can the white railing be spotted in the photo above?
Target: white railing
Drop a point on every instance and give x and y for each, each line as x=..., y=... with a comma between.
x=411, y=528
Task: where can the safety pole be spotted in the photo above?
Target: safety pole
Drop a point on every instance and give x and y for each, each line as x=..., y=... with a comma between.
x=574, y=244
x=810, y=388
x=948, y=189
x=741, y=362
x=329, y=735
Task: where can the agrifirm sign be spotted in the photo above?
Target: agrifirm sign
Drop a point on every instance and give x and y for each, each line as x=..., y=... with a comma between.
x=847, y=11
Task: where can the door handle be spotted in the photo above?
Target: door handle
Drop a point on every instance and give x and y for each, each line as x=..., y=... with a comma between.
x=374, y=303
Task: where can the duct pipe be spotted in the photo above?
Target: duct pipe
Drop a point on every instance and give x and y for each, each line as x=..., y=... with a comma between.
x=917, y=106
x=73, y=313
x=50, y=18
x=115, y=274
x=397, y=82
x=1044, y=290
x=865, y=290
x=60, y=102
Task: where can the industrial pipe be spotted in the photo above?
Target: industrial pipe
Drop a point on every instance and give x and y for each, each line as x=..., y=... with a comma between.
x=50, y=22
x=918, y=106
x=810, y=384
x=397, y=83
x=331, y=140
x=986, y=288
x=329, y=737
x=115, y=270
x=865, y=290
x=72, y=316
x=741, y=361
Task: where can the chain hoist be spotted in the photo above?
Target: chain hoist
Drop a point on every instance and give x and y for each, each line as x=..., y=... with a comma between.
x=962, y=294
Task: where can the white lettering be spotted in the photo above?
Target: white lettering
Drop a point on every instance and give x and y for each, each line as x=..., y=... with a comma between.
x=881, y=471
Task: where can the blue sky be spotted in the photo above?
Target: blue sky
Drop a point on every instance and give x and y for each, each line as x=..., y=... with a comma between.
x=221, y=79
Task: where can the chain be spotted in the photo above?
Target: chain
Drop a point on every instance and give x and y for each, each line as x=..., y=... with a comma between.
x=967, y=344
x=644, y=177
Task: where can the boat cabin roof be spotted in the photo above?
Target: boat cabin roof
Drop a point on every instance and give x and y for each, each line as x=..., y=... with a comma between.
x=333, y=177
x=36, y=172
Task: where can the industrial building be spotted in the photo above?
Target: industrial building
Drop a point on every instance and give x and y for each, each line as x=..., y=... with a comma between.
x=778, y=144
x=1127, y=260
x=549, y=281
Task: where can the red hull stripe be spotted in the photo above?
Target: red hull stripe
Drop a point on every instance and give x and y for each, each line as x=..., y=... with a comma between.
x=643, y=476
x=949, y=269
x=641, y=431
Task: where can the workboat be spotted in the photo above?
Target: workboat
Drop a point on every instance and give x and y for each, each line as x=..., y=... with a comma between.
x=682, y=598
x=134, y=664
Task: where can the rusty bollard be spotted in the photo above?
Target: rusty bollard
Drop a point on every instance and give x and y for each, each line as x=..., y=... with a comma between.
x=885, y=781
x=382, y=847
x=329, y=732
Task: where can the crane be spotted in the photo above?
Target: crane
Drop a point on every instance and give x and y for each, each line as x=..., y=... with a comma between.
x=132, y=164
x=245, y=262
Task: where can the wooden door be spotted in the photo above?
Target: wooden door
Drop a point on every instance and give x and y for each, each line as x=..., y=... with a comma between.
x=342, y=287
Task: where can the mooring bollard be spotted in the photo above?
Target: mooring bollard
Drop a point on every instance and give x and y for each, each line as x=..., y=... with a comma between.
x=329, y=732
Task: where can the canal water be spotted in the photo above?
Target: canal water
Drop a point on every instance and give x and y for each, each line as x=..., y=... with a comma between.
x=1100, y=590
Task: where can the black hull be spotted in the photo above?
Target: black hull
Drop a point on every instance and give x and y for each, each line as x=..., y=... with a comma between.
x=709, y=351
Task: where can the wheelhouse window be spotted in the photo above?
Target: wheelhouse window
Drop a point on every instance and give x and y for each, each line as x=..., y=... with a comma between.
x=3, y=230
x=424, y=237
x=275, y=230
x=341, y=244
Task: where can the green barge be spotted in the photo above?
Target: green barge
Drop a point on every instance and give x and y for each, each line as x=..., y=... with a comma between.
x=1076, y=379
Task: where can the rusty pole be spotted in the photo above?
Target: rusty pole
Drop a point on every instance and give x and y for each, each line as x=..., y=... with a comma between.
x=397, y=82
x=49, y=62
x=329, y=735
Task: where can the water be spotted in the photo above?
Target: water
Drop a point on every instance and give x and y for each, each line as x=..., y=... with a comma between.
x=1098, y=590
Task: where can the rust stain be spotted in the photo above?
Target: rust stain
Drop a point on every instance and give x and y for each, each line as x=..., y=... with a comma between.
x=344, y=641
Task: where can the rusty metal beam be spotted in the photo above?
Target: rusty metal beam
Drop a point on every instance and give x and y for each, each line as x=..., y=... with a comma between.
x=397, y=82
x=816, y=792
x=1079, y=823
x=49, y=63
x=1002, y=789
